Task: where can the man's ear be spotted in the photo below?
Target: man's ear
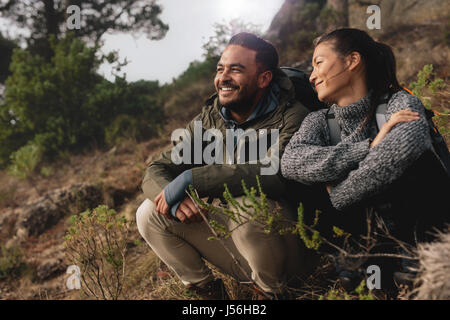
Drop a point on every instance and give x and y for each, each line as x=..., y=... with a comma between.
x=354, y=60
x=264, y=79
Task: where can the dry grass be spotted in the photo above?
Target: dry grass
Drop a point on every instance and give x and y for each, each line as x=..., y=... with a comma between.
x=434, y=269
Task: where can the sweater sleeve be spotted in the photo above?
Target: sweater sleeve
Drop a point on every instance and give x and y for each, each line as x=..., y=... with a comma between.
x=309, y=158
x=387, y=161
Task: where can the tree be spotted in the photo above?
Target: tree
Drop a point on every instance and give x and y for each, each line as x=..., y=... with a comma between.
x=6, y=48
x=45, y=18
x=63, y=104
x=223, y=33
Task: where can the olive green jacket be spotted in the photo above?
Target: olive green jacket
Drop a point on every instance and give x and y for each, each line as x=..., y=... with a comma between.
x=209, y=180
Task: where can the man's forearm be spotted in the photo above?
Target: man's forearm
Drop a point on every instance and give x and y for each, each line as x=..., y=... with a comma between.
x=209, y=180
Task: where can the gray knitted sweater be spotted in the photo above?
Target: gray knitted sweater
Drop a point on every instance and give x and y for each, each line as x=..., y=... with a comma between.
x=355, y=170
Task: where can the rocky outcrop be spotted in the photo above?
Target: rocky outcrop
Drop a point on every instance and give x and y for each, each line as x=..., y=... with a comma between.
x=415, y=29
x=35, y=217
x=50, y=267
x=8, y=220
x=398, y=14
x=45, y=212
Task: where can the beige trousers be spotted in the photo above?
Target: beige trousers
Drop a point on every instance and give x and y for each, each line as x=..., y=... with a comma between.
x=273, y=261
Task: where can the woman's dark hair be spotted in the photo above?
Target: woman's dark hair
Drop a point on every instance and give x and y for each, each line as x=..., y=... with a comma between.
x=378, y=59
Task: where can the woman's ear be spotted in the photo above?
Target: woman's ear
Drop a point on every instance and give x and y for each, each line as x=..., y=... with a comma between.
x=264, y=79
x=354, y=60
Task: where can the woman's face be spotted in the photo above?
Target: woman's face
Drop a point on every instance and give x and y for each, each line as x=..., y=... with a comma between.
x=330, y=76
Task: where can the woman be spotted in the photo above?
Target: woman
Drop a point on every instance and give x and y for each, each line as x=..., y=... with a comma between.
x=369, y=167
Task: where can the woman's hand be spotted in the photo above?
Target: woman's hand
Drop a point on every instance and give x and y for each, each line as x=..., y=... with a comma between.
x=161, y=205
x=405, y=115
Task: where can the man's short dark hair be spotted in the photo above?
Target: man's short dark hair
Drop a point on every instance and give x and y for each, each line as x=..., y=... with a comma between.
x=266, y=54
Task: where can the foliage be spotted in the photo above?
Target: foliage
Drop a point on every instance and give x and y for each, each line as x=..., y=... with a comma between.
x=196, y=71
x=11, y=262
x=97, y=242
x=316, y=240
x=425, y=83
x=24, y=161
x=45, y=18
x=360, y=294
x=6, y=49
x=254, y=207
x=65, y=105
x=222, y=34
x=427, y=88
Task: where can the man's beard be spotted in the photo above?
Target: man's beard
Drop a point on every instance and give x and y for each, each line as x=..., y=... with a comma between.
x=241, y=104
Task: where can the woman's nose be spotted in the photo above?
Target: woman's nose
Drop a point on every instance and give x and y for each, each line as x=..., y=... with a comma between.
x=312, y=77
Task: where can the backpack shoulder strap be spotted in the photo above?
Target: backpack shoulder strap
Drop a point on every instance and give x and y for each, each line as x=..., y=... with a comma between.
x=381, y=111
x=333, y=126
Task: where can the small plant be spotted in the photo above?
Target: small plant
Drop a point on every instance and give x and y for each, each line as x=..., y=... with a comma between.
x=362, y=293
x=425, y=83
x=316, y=240
x=24, y=161
x=11, y=262
x=96, y=242
x=338, y=294
x=46, y=172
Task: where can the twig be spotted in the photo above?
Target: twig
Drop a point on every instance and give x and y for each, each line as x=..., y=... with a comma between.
x=223, y=244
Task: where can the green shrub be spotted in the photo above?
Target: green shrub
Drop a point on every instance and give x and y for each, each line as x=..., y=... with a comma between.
x=96, y=242
x=11, y=262
x=123, y=127
x=24, y=161
x=426, y=83
x=63, y=104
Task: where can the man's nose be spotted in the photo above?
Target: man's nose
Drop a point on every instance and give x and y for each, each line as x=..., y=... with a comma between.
x=225, y=75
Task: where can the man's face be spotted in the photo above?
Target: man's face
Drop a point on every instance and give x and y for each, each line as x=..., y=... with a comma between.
x=236, y=79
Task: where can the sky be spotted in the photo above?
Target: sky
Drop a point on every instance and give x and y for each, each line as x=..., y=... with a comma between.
x=190, y=26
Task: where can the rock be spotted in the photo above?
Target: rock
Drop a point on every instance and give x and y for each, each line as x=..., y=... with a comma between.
x=50, y=268
x=397, y=14
x=40, y=215
x=8, y=219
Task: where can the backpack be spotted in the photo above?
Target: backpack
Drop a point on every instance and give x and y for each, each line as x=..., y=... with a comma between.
x=304, y=92
x=439, y=147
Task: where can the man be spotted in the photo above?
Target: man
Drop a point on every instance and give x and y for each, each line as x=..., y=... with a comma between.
x=252, y=94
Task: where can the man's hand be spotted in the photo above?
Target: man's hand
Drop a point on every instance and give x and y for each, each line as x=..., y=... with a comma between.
x=187, y=212
x=405, y=115
x=161, y=205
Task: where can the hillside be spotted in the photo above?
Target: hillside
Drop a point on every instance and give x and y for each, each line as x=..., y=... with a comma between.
x=35, y=213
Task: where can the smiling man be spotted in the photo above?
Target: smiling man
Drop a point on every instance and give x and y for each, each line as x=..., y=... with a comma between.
x=252, y=94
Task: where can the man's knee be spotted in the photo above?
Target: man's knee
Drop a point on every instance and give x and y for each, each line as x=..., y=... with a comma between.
x=143, y=215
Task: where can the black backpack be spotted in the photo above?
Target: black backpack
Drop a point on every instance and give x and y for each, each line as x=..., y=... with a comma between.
x=304, y=92
x=439, y=147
